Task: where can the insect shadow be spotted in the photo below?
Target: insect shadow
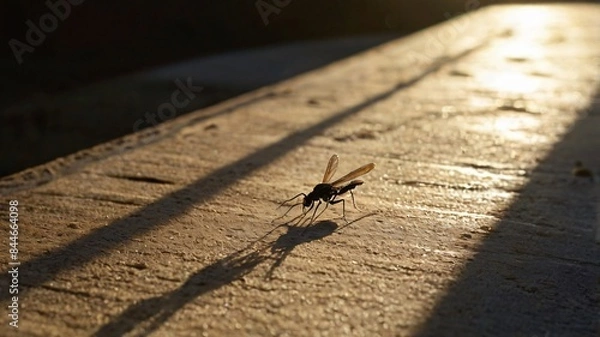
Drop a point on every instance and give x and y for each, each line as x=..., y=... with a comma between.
x=296, y=235
x=145, y=316
x=327, y=192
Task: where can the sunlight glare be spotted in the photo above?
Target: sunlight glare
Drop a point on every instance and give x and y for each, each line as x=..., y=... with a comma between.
x=509, y=82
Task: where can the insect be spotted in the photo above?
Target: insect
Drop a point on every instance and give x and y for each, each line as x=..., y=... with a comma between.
x=328, y=192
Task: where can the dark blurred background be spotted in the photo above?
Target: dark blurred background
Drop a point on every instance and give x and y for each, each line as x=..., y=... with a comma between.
x=72, y=90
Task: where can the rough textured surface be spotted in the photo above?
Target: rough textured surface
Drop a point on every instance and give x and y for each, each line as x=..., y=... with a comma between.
x=471, y=223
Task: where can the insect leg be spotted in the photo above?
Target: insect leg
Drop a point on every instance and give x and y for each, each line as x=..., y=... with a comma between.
x=290, y=199
x=313, y=218
x=354, y=203
x=304, y=212
x=315, y=212
x=286, y=213
x=333, y=202
x=323, y=211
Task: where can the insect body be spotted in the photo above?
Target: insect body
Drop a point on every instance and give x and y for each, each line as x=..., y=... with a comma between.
x=328, y=192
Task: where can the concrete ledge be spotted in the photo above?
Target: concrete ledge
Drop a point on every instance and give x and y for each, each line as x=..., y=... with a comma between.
x=472, y=223
x=50, y=126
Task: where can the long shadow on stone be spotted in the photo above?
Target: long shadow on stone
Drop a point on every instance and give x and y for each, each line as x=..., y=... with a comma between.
x=148, y=315
x=537, y=272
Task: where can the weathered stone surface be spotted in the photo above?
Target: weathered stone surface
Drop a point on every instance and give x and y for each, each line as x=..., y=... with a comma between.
x=471, y=223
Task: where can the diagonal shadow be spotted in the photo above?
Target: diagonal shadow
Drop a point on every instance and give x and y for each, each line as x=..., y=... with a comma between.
x=102, y=240
x=148, y=315
x=149, y=136
x=537, y=272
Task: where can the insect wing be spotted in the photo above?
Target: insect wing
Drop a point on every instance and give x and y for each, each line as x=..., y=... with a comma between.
x=354, y=174
x=331, y=168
